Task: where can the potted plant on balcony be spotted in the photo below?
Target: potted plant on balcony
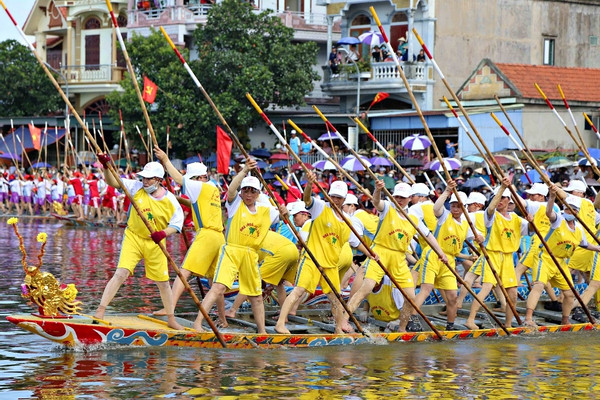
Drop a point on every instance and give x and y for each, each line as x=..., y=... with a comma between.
x=364, y=68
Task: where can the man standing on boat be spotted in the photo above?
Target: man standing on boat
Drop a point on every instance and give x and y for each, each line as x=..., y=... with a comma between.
x=162, y=210
x=564, y=236
x=391, y=243
x=248, y=224
x=328, y=233
x=201, y=257
x=504, y=232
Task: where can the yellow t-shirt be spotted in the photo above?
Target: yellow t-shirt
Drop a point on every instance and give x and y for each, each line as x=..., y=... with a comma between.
x=504, y=235
x=206, y=204
x=424, y=212
x=587, y=213
x=382, y=304
x=563, y=241
x=394, y=232
x=246, y=228
x=370, y=222
x=160, y=213
x=451, y=234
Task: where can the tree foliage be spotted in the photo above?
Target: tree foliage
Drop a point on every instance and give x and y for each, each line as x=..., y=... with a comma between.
x=26, y=90
x=239, y=51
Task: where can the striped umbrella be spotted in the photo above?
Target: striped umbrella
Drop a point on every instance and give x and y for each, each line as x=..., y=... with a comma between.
x=324, y=164
x=381, y=162
x=353, y=164
x=450, y=163
x=584, y=162
x=416, y=142
x=372, y=38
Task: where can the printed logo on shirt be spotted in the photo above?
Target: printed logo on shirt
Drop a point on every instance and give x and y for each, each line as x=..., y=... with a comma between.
x=250, y=229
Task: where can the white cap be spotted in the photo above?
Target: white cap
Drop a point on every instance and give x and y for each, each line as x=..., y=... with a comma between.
x=297, y=207
x=574, y=201
x=506, y=192
x=575, y=185
x=338, y=188
x=461, y=195
x=420, y=189
x=403, y=190
x=538, y=188
x=351, y=199
x=195, y=169
x=293, y=131
x=250, y=181
x=476, y=198
x=152, y=170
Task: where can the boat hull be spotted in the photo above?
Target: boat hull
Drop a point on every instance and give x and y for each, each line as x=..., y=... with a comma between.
x=130, y=330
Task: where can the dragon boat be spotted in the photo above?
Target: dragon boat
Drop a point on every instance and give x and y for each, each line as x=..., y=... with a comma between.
x=59, y=319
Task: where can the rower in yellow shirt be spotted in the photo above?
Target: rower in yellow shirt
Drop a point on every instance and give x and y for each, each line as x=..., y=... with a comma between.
x=248, y=224
x=328, y=233
x=564, y=236
x=391, y=242
x=504, y=231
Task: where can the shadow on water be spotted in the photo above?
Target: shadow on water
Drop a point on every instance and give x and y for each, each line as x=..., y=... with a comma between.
x=544, y=366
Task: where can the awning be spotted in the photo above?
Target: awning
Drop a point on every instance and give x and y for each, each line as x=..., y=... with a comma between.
x=11, y=141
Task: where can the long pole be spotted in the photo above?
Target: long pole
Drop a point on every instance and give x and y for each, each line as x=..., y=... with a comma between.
x=448, y=177
x=113, y=172
x=235, y=138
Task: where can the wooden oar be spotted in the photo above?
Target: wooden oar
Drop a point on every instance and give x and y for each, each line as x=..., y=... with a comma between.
x=446, y=172
x=333, y=288
x=112, y=171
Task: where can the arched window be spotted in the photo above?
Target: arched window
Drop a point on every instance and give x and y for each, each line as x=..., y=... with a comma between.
x=398, y=28
x=122, y=21
x=100, y=105
x=92, y=23
x=359, y=25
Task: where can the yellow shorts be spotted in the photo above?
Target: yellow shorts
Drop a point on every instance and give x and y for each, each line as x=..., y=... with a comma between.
x=432, y=271
x=504, y=266
x=345, y=260
x=309, y=277
x=582, y=259
x=546, y=271
x=201, y=258
x=595, y=267
x=394, y=261
x=530, y=258
x=234, y=260
x=282, y=264
x=135, y=249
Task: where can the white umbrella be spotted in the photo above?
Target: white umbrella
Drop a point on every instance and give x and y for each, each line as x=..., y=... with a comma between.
x=372, y=38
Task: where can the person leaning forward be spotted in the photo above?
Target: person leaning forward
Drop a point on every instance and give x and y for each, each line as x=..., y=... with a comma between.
x=201, y=257
x=247, y=227
x=161, y=209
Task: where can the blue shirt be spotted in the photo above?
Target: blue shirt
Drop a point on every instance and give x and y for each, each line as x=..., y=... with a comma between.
x=450, y=150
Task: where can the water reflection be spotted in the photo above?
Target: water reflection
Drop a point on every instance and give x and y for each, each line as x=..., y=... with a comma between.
x=544, y=366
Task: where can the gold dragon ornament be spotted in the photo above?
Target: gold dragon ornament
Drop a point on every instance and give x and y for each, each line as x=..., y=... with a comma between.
x=42, y=288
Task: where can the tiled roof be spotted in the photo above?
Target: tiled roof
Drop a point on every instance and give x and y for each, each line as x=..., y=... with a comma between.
x=578, y=84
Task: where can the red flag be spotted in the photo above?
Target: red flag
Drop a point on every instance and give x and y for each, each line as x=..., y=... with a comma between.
x=380, y=96
x=224, y=144
x=36, y=136
x=149, y=90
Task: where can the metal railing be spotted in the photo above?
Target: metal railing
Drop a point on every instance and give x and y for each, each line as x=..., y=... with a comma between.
x=386, y=71
x=88, y=73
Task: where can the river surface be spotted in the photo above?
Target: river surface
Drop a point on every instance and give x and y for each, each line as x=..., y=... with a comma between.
x=556, y=366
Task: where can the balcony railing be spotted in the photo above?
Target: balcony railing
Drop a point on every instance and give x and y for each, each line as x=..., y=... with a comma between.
x=196, y=13
x=384, y=71
x=92, y=73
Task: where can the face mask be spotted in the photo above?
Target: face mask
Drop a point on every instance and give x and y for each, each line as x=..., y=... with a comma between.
x=151, y=189
x=569, y=217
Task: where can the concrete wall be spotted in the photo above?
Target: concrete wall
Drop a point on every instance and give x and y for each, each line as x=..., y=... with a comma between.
x=512, y=31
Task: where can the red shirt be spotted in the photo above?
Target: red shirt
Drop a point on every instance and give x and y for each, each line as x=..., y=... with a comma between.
x=93, y=184
x=77, y=186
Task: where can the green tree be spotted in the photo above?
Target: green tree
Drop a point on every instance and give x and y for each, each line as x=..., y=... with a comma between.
x=26, y=90
x=239, y=51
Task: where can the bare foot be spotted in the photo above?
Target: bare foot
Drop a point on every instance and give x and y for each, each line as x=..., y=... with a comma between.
x=160, y=313
x=346, y=327
x=230, y=313
x=530, y=323
x=100, y=312
x=471, y=325
x=282, y=329
x=222, y=324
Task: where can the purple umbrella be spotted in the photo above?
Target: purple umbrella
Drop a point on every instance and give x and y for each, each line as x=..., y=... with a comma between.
x=372, y=38
x=381, y=162
x=352, y=157
x=353, y=164
x=9, y=156
x=450, y=163
x=416, y=142
x=324, y=164
x=327, y=136
x=348, y=40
